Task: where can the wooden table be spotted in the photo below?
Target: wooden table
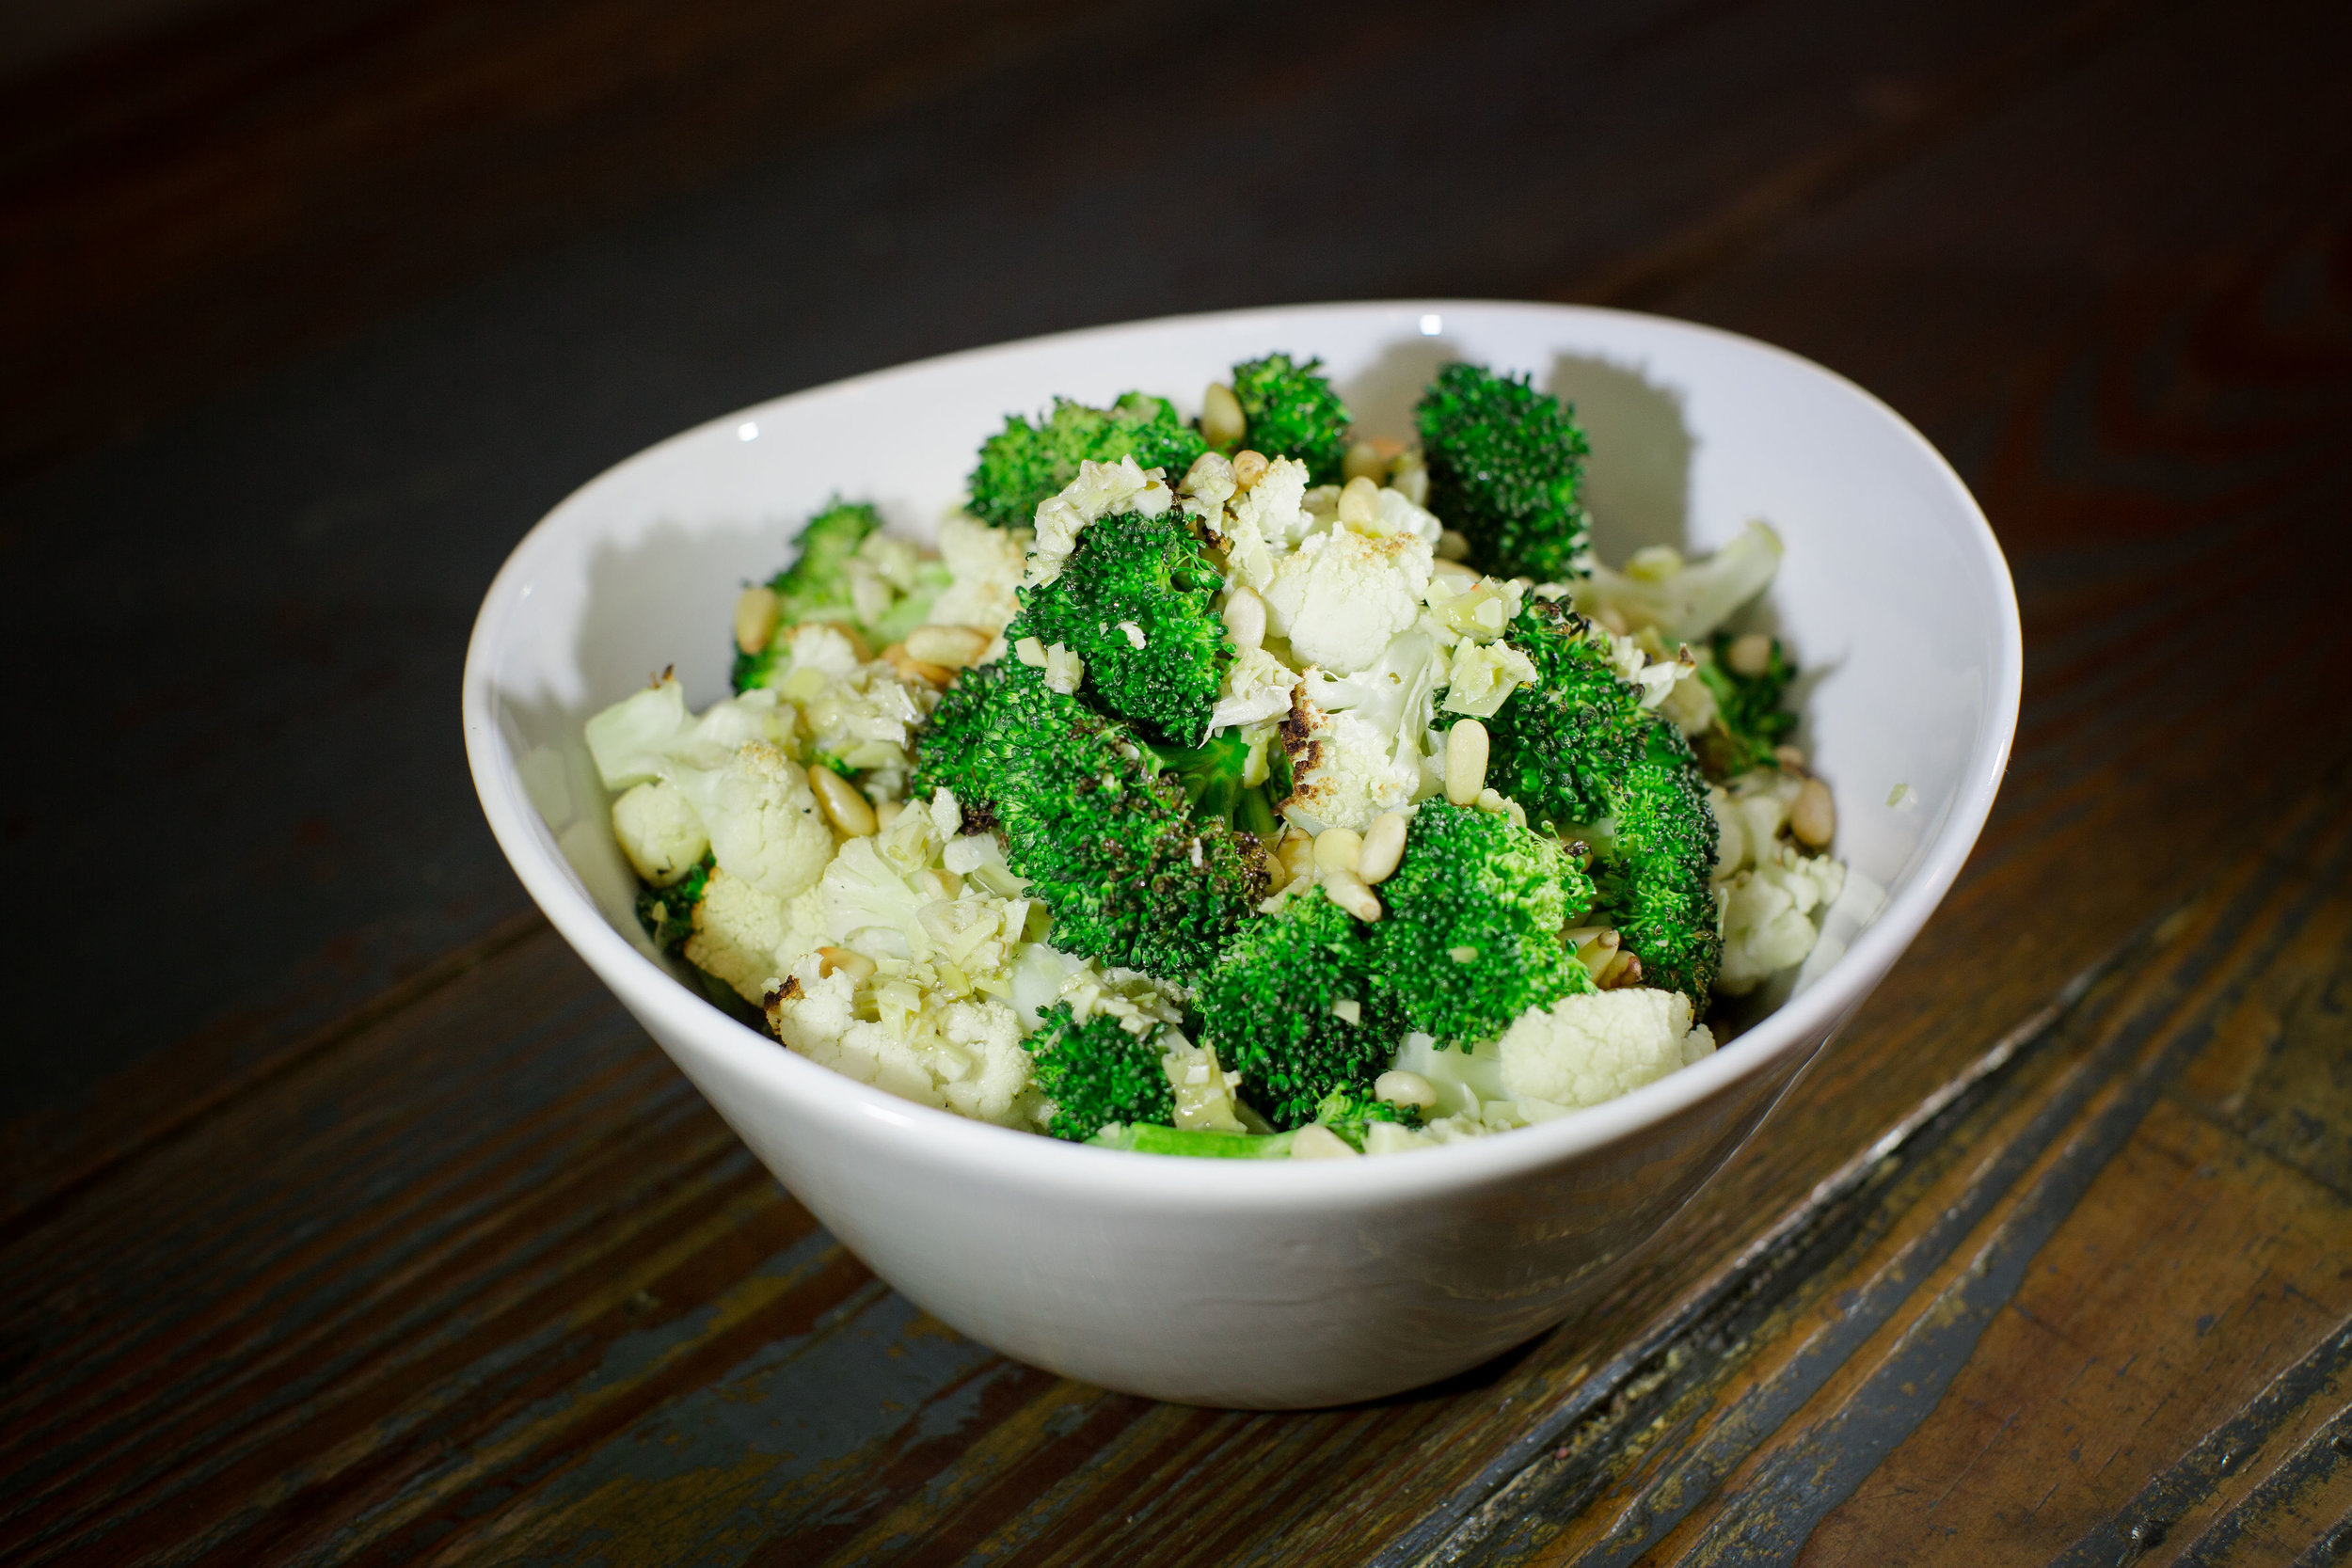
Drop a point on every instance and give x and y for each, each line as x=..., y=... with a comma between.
x=346, y=1218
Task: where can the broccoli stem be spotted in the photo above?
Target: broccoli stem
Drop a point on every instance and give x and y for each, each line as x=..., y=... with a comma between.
x=1194, y=1143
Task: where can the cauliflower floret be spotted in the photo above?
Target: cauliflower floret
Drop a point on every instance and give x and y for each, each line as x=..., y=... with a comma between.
x=1684, y=601
x=1399, y=514
x=762, y=818
x=1265, y=521
x=961, y=1056
x=1342, y=595
x=1484, y=674
x=641, y=736
x=747, y=938
x=659, y=832
x=1397, y=696
x=1767, y=915
x=1099, y=490
x=1344, y=771
x=1749, y=815
x=1257, y=685
x=984, y=566
x=860, y=714
x=1590, y=1048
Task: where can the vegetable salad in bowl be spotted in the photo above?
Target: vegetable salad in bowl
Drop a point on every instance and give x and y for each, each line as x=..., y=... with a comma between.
x=1243, y=787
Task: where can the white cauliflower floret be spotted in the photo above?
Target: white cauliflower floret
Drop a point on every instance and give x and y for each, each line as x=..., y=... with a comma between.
x=1683, y=601
x=747, y=938
x=644, y=735
x=984, y=567
x=859, y=713
x=819, y=647
x=1749, y=815
x=1265, y=521
x=659, y=832
x=1399, y=514
x=1257, y=685
x=1767, y=915
x=1397, y=696
x=1343, y=770
x=1594, y=1047
x=1099, y=490
x=1342, y=595
x=762, y=818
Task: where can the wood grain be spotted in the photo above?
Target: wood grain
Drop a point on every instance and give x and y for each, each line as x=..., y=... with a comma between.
x=477, y=1277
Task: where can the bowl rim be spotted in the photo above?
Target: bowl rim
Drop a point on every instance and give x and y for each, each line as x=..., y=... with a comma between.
x=939, y=1138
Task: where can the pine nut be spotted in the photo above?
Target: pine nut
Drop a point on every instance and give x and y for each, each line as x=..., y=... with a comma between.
x=911, y=669
x=1460, y=571
x=1814, y=818
x=1249, y=468
x=1364, y=461
x=1245, y=618
x=953, y=647
x=1222, y=419
x=1749, y=656
x=1343, y=889
x=1465, y=761
x=1453, y=545
x=857, y=966
x=1384, y=846
x=1336, y=848
x=888, y=811
x=1791, y=758
x=855, y=639
x=1359, y=503
x=755, y=618
x=1398, y=1087
x=1315, y=1141
x=1297, y=855
x=841, y=802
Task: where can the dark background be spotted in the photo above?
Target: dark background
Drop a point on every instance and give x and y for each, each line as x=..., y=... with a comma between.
x=307, y=311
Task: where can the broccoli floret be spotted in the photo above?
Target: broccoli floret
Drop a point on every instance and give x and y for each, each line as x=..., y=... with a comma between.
x=1579, y=751
x=1137, y=600
x=833, y=578
x=1272, y=1009
x=1096, y=1073
x=1023, y=464
x=667, y=914
x=1101, y=830
x=950, y=749
x=1211, y=776
x=1505, y=461
x=1290, y=411
x=1194, y=1142
x=1350, y=1111
x=1749, y=720
x=1470, y=936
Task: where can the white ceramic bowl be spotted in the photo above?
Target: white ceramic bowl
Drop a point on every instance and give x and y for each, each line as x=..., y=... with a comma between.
x=1244, y=1283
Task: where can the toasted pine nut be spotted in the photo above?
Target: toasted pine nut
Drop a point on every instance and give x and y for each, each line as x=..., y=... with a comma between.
x=1359, y=503
x=1249, y=468
x=1222, y=419
x=1384, y=846
x=855, y=637
x=1453, y=545
x=911, y=669
x=856, y=965
x=841, y=802
x=1465, y=761
x=1346, y=890
x=888, y=811
x=1245, y=618
x=1364, y=461
x=1297, y=855
x=1791, y=758
x=953, y=647
x=1749, y=656
x=1398, y=1087
x=1315, y=1141
x=1597, y=952
x=1460, y=571
x=755, y=618
x=1814, y=818
x=1336, y=848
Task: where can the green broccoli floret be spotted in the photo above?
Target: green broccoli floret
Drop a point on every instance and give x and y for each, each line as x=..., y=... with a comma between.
x=950, y=748
x=1351, y=1112
x=1024, y=463
x=1474, y=912
x=1096, y=1073
x=1270, y=1010
x=1101, y=830
x=1345, y=1113
x=1749, y=720
x=1505, y=461
x=1290, y=411
x=1579, y=751
x=667, y=914
x=839, y=576
x=1211, y=776
x=1154, y=575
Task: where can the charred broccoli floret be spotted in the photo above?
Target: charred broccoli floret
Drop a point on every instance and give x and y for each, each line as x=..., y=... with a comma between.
x=1749, y=720
x=847, y=571
x=1292, y=1006
x=1100, y=827
x=1505, y=461
x=1579, y=751
x=1137, y=600
x=1212, y=775
x=1023, y=464
x=1290, y=411
x=1097, y=1073
x=1474, y=913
